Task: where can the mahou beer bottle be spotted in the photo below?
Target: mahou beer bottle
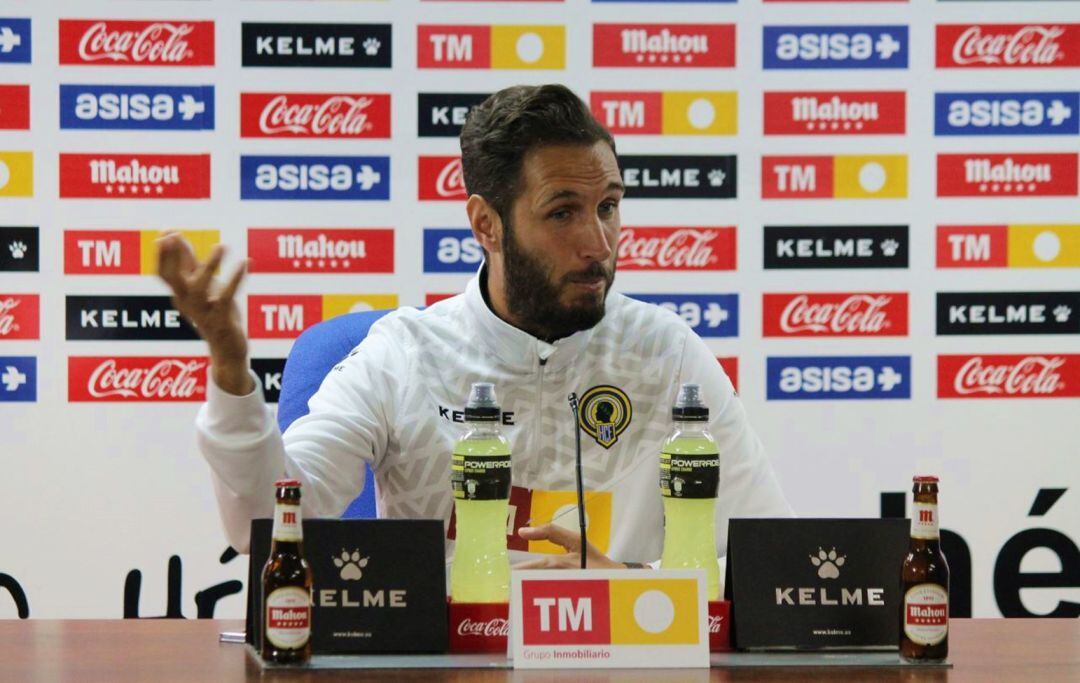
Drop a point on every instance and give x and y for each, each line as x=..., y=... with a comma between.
x=286, y=581
x=924, y=619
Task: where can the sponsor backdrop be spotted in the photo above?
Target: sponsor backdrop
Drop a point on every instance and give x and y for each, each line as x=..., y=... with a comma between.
x=868, y=210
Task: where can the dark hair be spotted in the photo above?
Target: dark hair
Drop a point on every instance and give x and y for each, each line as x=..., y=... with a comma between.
x=502, y=129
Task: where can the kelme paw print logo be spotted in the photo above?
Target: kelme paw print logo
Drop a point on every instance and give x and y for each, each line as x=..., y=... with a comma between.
x=350, y=565
x=1062, y=313
x=828, y=563
x=17, y=249
x=889, y=247
x=371, y=47
x=717, y=177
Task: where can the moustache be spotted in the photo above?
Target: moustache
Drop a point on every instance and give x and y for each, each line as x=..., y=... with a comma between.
x=594, y=271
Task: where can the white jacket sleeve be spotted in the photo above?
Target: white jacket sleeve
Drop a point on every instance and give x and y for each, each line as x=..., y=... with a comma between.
x=748, y=486
x=348, y=425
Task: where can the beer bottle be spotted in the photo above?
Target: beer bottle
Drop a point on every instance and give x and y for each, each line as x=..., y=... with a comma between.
x=924, y=619
x=286, y=584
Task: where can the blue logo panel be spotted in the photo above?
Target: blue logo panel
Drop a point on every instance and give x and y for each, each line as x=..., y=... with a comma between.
x=291, y=177
x=451, y=250
x=1006, y=113
x=137, y=107
x=837, y=377
x=835, y=47
x=14, y=41
x=710, y=315
x=18, y=378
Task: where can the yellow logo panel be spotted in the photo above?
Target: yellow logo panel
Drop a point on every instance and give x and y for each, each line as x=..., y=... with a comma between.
x=878, y=176
x=654, y=612
x=202, y=241
x=528, y=47
x=340, y=304
x=16, y=174
x=560, y=507
x=700, y=113
x=1044, y=246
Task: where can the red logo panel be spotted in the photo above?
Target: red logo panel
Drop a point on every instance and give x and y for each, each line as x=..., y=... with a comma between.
x=878, y=314
x=801, y=177
x=639, y=113
x=434, y=298
x=654, y=248
x=314, y=115
x=730, y=364
x=1007, y=45
x=453, y=47
x=102, y=252
x=14, y=107
x=279, y=316
x=137, y=378
x=664, y=45
x=20, y=316
x=318, y=250
x=441, y=179
x=1006, y=175
x=566, y=612
x=135, y=176
x=972, y=246
x=113, y=42
x=1053, y=375
x=835, y=113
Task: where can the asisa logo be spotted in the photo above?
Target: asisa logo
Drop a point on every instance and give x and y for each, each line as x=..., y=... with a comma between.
x=1048, y=375
x=18, y=378
x=1006, y=175
x=314, y=115
x=1008, y=246
x=835, y=315
x=14, y=41
x=838, y=377
x=881, y=176
x=451, y=250
x=664, y=45
x=835, y=113
x=113, y=42
x=709, y=315
x=490, y=47
x=1006, y=113
x=137, y=107
x=441, y=179
x=667, y=113
x=311, y=177
x=835, y=47
x=135, y=176
x=1005, y=46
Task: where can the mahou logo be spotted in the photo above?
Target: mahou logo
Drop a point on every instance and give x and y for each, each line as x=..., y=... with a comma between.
x=314, y=115
x=20, y=316
x=1009, y=376
x=108, y=42
x=137, y=378
x=1006, y=175
x=314, y=250
x=491, y=628
x=15, y=107
x=135, y=176
x=441, y=178
x=1008, y=45
x=834, y=113
x=835, y=315
x=664, y=45
x=697, y=248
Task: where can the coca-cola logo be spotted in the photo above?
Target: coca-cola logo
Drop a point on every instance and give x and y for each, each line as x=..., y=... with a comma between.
x=450, y=182
x=7, y=318
x=336, y=115
x=1025, y=46
x=857, y=314
x=169, y=378
x=1031, y=375
x=492, y=628
x=688, y=248
x=715, y=623
x=157, y=42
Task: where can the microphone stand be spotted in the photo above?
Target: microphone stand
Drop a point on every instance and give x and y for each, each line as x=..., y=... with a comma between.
x=572, y=398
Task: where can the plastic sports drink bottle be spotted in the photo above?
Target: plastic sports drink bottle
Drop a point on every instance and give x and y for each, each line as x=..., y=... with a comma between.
x=689, y=481
x=480, y=477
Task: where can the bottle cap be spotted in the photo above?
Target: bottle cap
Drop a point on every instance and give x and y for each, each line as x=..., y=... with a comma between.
x=924, y=479
x=689, y=406
x=287, y=482
x=482, y=406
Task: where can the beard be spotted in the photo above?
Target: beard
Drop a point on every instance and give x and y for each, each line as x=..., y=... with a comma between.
x=536, y=301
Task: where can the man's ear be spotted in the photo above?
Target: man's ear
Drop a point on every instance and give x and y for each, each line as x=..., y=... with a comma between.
x=485, y=222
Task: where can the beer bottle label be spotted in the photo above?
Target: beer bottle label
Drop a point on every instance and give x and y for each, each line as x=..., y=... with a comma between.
x=480, y=477
x=924, y=521
x=926, y=614
x=287, y=523
x=689, y=476
x=288, y=617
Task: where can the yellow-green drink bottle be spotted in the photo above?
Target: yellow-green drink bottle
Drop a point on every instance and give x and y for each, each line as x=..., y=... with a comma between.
x=689, y=482
x=480, y=478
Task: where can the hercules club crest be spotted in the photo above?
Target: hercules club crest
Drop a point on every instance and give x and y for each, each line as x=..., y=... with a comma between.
x=605, y=413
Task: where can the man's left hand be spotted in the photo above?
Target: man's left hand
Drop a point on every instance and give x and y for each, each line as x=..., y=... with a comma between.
x=571, y=543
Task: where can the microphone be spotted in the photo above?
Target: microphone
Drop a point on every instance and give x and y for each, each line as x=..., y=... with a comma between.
x=572, y=398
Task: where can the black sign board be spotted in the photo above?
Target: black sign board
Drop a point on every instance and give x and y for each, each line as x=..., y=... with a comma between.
x=1008, y=313
x=812, y=584
x=19, y=249
x=316, y=45
x=269, y=371
x=836, y=246
x=379, y=585
x=443, y=114
x=678, y=176
x=126, y=318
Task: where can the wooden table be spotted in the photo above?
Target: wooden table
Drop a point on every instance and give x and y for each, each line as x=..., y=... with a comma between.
x=160, y=651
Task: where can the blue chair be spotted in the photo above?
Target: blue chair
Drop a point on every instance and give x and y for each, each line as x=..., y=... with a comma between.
x=318, y=349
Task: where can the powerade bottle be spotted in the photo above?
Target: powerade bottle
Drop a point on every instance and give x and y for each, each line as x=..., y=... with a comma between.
x=689, y=481
x=480, y=477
